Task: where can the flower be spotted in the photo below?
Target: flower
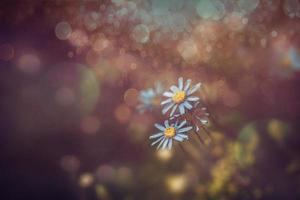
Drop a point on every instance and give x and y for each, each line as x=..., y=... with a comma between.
x=169, y=133
x=200, y=116
x=180, y=97
x=150, y=98
x=196, y=117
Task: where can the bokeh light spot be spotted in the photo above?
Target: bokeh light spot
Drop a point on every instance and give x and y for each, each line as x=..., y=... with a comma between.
x=140, y=33
x=277, y=130
x=29, y=63
x=86, y=179
x=131, y=97
x=63, y=30
x=78, y=38
x=90, y=124
x=123, y=113
x=176, y=183
x=164, y=155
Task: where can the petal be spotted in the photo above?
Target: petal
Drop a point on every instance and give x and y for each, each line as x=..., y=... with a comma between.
x=181, y=124
x=187, y=85
x=187, y=105
x=175, y=115
x=166, y=122
x=158, y=88
x=144, y=96
x=180, y=83
x=156, y=141
x=156, y=135
x=161, y=143
x=160, y=127
x=167, y=107
x=181, y=109
x=143, y=93
x=185, y=129
x=183, y=136
x=193, y=98
x=169, y=100
x=196, y=104
x=151, y=93
x=170, y=144
x=178, y=138
x=173, y=110
x=174, y=88
x=147, y=93
x=194, y=88
x=165, y=143
x=203, y=120
x=168, y=94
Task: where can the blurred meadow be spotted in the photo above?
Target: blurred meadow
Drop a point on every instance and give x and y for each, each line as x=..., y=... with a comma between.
x=71, y=72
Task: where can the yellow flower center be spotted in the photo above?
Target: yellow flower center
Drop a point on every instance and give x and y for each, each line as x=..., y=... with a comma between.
x=179, y=96
x=170, y=132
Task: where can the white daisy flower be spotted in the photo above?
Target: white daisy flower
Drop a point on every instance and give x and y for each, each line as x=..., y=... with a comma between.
x=150, y=98
x=168, y=133
x=180, y=98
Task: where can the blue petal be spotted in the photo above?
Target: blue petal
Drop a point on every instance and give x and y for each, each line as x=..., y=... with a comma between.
x=147, y=93
x=168, y=94
x=156, y=135
x=178, y=138
x=181, y=124
x=187, y=85
x=166, y=123
x=169, y=100
x=193, y=98
x=180, y=83
x=156, y=141
x=161, y=143
x=144, y=95
x=174, y=88
x=183, y=136
x=151, y=92
x=167, y=107
x=165, y=143
x=181, y=109
x=170, y=144
x=173, y=110
x=185, y=129
x=160, y=127
x=187, y=105
x=194, y=88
